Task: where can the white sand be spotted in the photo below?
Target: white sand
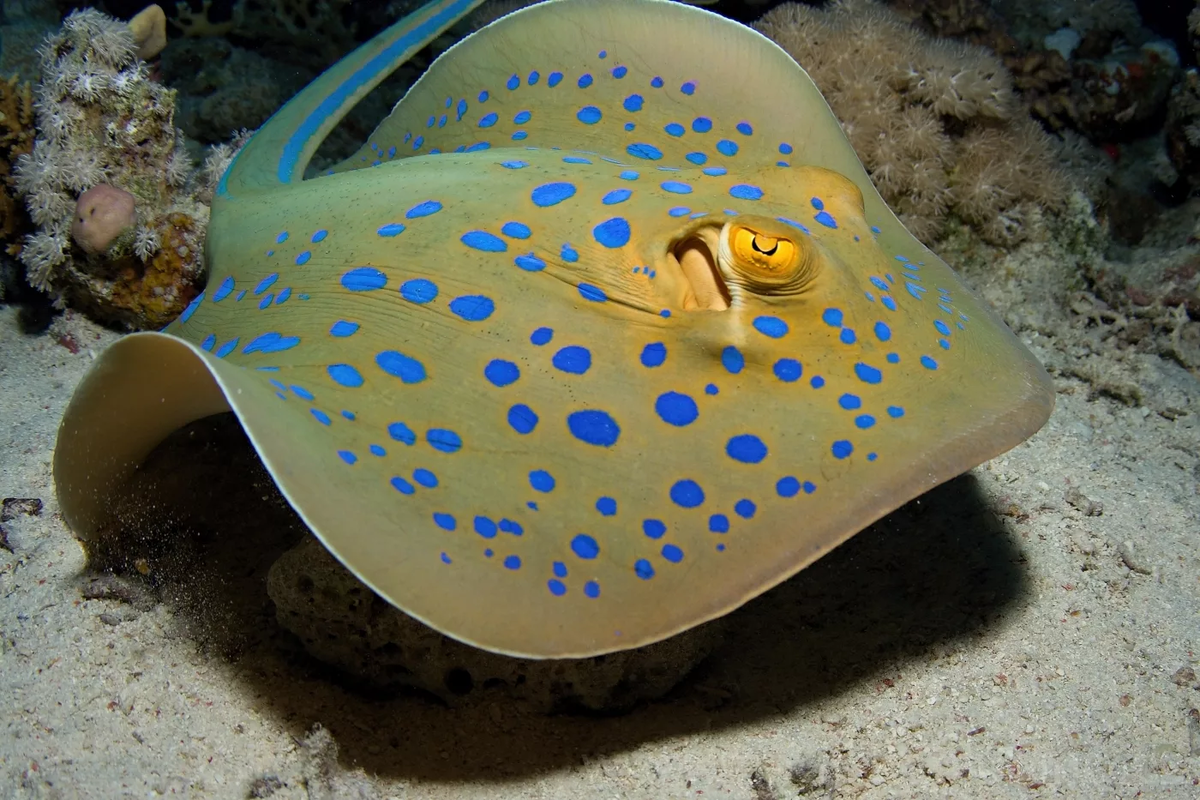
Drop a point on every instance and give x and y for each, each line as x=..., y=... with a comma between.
x=1002, y=637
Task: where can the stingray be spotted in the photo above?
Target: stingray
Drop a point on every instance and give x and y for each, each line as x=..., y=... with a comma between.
x=604, y=332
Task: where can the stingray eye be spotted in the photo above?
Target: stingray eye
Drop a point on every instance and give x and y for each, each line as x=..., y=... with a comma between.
x=764, y=257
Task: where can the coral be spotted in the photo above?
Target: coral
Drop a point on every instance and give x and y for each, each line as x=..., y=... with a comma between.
x=936, y=123
x=149, y=28
x=102, y=120
x=16, y=140
x=102, y=214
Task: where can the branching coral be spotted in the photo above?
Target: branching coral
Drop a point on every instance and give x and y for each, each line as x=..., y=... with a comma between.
x=936, y=123
x=102, y=120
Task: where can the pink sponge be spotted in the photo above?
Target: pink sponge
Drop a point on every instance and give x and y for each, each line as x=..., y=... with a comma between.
x=102, y=213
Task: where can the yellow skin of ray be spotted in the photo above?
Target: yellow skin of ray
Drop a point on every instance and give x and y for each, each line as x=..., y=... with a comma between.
x=986, y=394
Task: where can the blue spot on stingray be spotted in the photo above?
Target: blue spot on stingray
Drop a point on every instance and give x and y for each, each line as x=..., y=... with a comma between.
x=302, y=393
x=554, y=79
x=942, y=327
x=654, y=354
x=556, y=587
x=850, y=402
x=832, y=317
x=687, y=493
x=588, y=115
x=672, y=553
x=867, y=374
x=406, y=368
x=825, y=219
x=702, y=125
x=585, y=80
x=485, y=527
x=747, y=448
x=445, y=521
x=516, y=230
x=402, y=433
x=229, y=347
x=514, y=164
x=745, y=508
x=718, y=523
x=594, y=427
x=593, y=293
x=787, y=370
x=732, y=359
x=418, y=290
x=676, y=187
x=895, y=412
x=549, y=194
x=514, y=562
x=848, y=336
x=688, y=88
x=272, y=342
x=576, y=160
x=269, y=281
x=680, y=211
x=629, y=175
x=616, y=196
x=643, y=569
x=513, y=82
x=619, y=72
x=489, y=119
x=928, y=363
x=472, y=307
x=697, y=158
x=889, y=303
x=643, y=150
x=541, y=480
x=744, y=128
x=771, y=326
x=423, y=209
x=283, y=296
x=402, y=486
x=568, y=253
x=727, y=148
x=674, y=129
x=529, y=262
x=612, y=233
x=391, y=229
x=281, y=238
x=864, y=421
x=676, y=409
x=522, y=117
x=501, y=373
x=653, y=528
x=633, y=103
x=484, y=241
x=541, y=336
x=744, y=191
x=711, y=389
x=223, y=290
x=425, y=478
x=606, y=506
x=347, y=456
x=573, y=359
x=585, y=546
x=656, y=82
x=322, y=417
x=522, y=419
x=208, y=342
x=882, y=332
x=787, y=486
x=841, y=449
x=714, y=172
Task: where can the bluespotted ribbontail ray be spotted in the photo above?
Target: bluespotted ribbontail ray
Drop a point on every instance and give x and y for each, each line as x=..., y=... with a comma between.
x=604, y=332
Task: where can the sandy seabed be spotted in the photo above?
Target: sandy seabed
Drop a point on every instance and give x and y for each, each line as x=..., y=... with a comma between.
x=1028, y=630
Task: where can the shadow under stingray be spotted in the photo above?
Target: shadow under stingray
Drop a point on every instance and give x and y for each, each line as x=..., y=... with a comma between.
x=204, y=522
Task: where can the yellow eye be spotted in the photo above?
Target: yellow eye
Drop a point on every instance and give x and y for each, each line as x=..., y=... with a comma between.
x=763, y=257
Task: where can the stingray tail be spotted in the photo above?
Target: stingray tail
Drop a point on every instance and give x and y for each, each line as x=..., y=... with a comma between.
x=281, y=149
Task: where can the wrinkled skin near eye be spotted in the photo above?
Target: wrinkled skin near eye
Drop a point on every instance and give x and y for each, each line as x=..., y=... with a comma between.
x=767, y=259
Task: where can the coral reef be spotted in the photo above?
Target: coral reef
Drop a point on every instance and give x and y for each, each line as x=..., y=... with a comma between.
x=102, y=120
x=936, y=123
x=1183, y=117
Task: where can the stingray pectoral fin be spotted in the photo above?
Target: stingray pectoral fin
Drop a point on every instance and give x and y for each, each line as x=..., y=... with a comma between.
x=140, y=390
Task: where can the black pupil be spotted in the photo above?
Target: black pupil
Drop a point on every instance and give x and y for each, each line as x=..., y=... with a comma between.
x=771, y=252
